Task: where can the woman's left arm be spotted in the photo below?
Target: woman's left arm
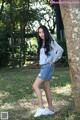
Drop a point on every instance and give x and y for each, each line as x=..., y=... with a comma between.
x=58, y=51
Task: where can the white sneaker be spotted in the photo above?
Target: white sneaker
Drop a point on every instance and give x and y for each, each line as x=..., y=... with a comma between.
x=48, y=112
x=43, y=112
x=39, y=112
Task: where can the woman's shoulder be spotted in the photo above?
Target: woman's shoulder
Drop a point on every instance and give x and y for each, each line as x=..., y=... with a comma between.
x=54, y=44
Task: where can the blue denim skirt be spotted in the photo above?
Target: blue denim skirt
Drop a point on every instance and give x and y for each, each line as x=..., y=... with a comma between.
x=46, y=71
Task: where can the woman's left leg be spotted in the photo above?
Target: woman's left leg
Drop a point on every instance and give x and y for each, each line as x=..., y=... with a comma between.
x=36, y=87
x=46, y=86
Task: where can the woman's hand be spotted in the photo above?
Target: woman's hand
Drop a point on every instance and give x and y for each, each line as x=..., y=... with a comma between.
x=52, y=63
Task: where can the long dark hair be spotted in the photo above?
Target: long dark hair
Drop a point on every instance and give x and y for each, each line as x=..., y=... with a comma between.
x=48, y=40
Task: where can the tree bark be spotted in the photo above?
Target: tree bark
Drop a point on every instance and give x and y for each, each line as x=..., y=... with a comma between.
x=71, y=19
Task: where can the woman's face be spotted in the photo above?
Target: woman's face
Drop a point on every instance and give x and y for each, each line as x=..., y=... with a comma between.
x=41, y=33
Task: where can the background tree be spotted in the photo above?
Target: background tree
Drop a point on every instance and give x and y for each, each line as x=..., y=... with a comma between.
x=19, y=19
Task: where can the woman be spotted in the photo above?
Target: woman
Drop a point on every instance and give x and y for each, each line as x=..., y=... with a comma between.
x=49, y=52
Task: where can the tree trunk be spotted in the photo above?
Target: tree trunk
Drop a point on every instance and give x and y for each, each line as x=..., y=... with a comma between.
x=71, y=19
x=11, y=34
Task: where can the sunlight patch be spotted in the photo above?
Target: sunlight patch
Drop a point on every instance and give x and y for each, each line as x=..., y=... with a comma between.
x=53, y=77
x=66, y=90
x=3, y=94
x=58, y=105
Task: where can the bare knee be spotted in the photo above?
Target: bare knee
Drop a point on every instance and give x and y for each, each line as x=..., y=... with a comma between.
x=46, y=89
x=35, y=86
x=37, y=83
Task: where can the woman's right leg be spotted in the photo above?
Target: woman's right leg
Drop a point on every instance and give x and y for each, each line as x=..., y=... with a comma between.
x=36, y=86
x=47, y=90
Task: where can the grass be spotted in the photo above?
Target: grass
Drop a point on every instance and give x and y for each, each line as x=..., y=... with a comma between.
x=18, y=98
